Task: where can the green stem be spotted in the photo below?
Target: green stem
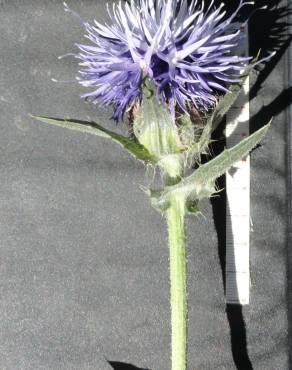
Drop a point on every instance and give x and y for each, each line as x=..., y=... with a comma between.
x=178, y=282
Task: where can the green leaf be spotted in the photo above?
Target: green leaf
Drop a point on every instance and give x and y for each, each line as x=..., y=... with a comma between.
x=221, y=109
x=201, y=184
x=200, y=145
x=228, y=100
x=133, y=147
x=224, y=161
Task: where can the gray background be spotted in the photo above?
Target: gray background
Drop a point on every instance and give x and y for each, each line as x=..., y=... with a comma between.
x=83, y=257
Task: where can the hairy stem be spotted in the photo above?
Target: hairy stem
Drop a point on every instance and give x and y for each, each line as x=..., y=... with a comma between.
x=178, y=282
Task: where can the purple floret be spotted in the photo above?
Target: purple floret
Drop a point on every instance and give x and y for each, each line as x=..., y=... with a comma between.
x=189, y=51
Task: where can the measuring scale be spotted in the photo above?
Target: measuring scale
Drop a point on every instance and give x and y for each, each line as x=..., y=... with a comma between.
x=238, y=199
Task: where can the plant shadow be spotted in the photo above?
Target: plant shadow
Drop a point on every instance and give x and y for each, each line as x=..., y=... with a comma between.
x=273, y=37
x=124, y=366
x=234, y=313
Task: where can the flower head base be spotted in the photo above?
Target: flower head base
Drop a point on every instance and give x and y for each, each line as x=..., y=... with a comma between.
x=189, y=51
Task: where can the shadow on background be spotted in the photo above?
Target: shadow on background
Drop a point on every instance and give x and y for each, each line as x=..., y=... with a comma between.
x=123, y=366
x=273, y=36
x=233, y=312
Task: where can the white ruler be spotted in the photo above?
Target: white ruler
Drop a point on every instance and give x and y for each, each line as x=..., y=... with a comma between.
x=238, y=201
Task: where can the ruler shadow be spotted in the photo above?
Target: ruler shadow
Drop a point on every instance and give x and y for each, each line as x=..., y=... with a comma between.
x=234, y=313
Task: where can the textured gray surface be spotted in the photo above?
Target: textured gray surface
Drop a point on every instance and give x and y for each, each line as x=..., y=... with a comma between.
x=83, y=257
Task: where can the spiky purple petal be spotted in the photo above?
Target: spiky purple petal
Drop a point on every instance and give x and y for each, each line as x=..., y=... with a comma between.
x=188, y=50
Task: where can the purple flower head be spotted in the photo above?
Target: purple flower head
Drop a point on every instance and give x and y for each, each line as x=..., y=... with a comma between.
x=188, y=50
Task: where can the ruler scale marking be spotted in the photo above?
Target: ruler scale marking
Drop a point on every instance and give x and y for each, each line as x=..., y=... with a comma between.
x=238, y=201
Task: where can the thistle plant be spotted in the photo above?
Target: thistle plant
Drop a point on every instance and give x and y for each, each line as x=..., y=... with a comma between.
x=170, y=69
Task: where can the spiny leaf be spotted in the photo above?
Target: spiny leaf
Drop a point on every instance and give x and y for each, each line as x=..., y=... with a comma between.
x=201, y=184
x=133, y=147
x=211, y=123
x=221, y=109
x=228, y=100
x=224, y=161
